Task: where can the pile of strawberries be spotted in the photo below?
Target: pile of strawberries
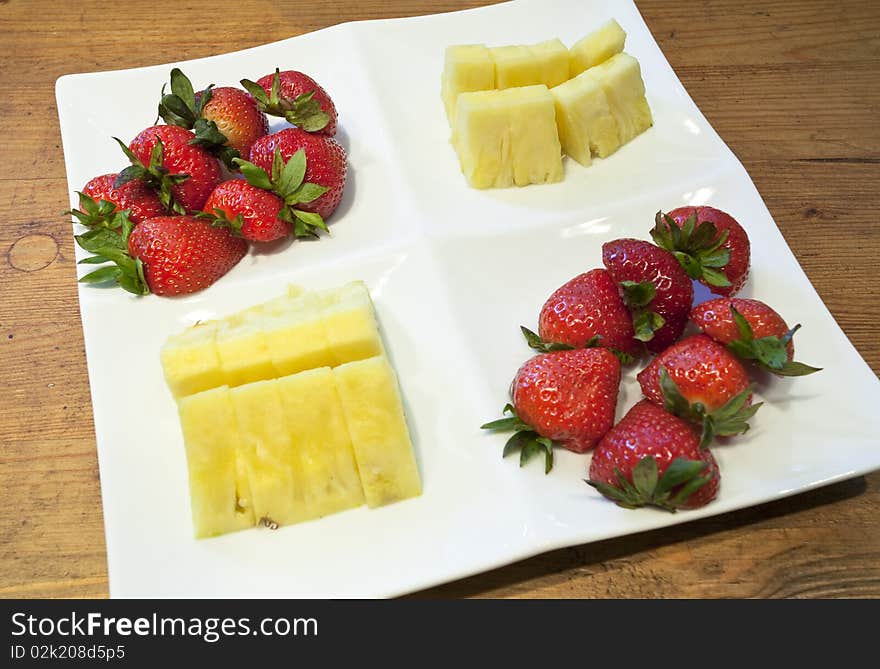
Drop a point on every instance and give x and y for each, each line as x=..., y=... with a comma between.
x=210, y=180
x=695, y=389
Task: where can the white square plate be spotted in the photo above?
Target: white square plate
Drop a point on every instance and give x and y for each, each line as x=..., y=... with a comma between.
x=454, y=272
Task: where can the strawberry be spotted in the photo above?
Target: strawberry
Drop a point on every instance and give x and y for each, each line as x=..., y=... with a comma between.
x=166, y=255
x=563, y=397
x=700, y=381
x=136, y=196
x=587, y=306
x=325, y=163
x=297, y=98
x=168, y=160
x=225, y=120
x=654, y=287
x=653, y=458
x=753, y=331
x=711, y=246
x=253, y=212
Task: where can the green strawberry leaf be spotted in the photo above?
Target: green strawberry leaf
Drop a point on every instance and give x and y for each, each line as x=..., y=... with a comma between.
x=525, y=440
x=256, y=91
x=182, y=87
x=255, y=176
x=646, y=324
x=714, y=278
x=307, y=223
x=680, y=480
x=292, y=173
x=534, y=341
x=638, y=294
x=103, y=275
x=696, y=245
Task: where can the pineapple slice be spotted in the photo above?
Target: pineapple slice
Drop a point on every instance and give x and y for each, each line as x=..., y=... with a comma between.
x=621, y=78
x=552, y=57
x=210, y=432
x=328, y=472
x=507, y=137
x=189, y=360
x=242, y=348
x=374, y=415
x=294, y=334
x=469, y=67
x=268, y=455
x=350, y=323
x=586, y=124
x=515, y=66
x=595, y=48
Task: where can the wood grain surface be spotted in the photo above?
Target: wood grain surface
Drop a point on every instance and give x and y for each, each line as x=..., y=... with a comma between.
x=791, y=86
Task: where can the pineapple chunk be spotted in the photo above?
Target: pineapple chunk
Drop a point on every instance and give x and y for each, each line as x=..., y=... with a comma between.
x=595, y=48
x=218, y=500
x=350, y=323
x=515, y=66
x=552, y=57
x=328, y=472
x=189, y=360
x=508, y=137
x=621, y=79
x=294, y=334
x=586, y=124
x=242, y=349
x=268, y=455
x=374, y=415
x=469, y=67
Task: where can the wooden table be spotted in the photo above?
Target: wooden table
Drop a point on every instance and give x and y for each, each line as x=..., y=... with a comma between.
x=791, y=87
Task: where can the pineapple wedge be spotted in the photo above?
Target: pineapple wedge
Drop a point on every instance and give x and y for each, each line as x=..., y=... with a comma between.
x=515, y=66
x=295, y=335
x=507, y=137
x=595, y=48
x=621, y=78
x=552, y=57
x=586, y=124
x=242, y=348
x=374, y=415
x=468, y=67
x=189, y=360
x=272, y=465
x=210, y=432
x=349, y=321
x=328, y=471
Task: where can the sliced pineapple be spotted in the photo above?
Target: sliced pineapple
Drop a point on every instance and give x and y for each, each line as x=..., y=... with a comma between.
x=217, y=497
x=294, y=334
x=189, y=360
x=350, y=323
x=595, y=48
x=242, y=348
x=327, y=470
x=468, y=67
x=552, y=58
x=515, y=66
x=621, y=78
x=268, y=454
x=379, y=435
x=586, y=124
x=507, y=137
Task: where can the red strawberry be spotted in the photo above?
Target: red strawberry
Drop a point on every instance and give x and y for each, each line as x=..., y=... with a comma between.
x=252, y=211
x=587, y=306
x=711, y=246
x=297, y=98
x=225, y=120
x=567, y=397
x=166, y=255
x=654, y=286
x=702, y=382
x=325, y=163
x=183, y=173
x=653, y=458
x=753, y=331
x=136, y=196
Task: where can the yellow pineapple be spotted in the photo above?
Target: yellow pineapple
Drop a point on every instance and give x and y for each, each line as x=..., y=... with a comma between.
x=189, y=360
x=349, y=321
x=242, y=349
x=468, y=67
x=552, y=58
x=621, y=79
x=379, y=435
x=586, y=125
x=218, y=499
x=294, y=334
x=507, y=137
x=327, y=473
x=515, y=66
x=268, y=455
x=595, y=48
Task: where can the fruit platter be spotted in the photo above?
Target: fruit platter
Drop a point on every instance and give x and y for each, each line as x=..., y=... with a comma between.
x=477, y=286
